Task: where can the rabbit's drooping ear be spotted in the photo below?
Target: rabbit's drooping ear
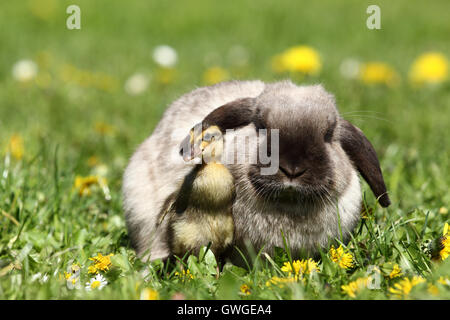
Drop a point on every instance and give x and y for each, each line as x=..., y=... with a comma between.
x=232, y=115
x=363, y=155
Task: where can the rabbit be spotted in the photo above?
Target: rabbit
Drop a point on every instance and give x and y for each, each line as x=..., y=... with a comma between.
x=200, y=212
x=313, y=197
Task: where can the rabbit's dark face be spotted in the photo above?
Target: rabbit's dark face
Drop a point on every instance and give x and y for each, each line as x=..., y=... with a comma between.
x=305, y=171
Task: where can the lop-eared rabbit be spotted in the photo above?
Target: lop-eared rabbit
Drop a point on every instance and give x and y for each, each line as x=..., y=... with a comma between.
x=313, y=195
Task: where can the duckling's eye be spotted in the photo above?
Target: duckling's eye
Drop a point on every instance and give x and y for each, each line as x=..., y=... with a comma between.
x=207, y=136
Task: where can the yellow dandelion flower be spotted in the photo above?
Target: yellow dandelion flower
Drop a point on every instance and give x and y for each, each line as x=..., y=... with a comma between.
x=278, y=281
x=431, y=67
x=84, y=184
x=396, y=272
x=443, y=210
x=85, y=78
x=92, y=269
x=185, y=274
x=165, y=76
x=354, y=287
x=378, y=73
x=245, y=289
x=104, y=129
x=43, y=80
x=433, y=290
x=101, y=263
x=300, y=267
x=93, y=161
x=105, y=82
x=342, y=257
x=444, y=243
x=215, y=75
x=295, y=272
x=43, y=9
x=149, y=294
x=66, y=72
x=16, y=147
x=444, y=281
x=44, y=59
x=403, y=288
x=301, y=59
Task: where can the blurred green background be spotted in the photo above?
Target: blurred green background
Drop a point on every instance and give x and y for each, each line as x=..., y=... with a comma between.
x=76, y=117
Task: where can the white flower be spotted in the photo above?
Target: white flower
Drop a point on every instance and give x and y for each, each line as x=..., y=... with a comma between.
x=96, y=283
x=136, y=84
x=101, y=170
x=38, y=276
x=349, y=68
x=24, y=70
x=44, y=278
x=35, y=277
x=165, y=56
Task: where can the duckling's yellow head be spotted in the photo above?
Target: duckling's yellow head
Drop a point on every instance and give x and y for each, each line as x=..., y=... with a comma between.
x=208, y=143
x=212, y=145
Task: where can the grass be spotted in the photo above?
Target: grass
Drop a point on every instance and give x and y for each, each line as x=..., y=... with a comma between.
x=46, y=226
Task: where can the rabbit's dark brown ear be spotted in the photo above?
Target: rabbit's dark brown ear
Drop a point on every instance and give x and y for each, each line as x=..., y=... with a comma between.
x=364, y=157
x=232, y=115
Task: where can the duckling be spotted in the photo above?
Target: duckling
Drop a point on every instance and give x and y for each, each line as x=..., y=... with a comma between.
x=200, y=213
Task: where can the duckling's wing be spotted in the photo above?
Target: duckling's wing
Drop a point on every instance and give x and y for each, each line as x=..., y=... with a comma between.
x=167, y=207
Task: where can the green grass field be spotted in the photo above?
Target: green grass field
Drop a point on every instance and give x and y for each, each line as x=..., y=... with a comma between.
x=74, y=118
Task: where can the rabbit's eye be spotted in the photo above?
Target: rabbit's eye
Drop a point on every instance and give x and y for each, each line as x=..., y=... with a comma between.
x=328, y=135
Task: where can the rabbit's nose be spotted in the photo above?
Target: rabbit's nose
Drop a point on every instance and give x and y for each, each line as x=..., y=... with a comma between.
x=292, y=172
